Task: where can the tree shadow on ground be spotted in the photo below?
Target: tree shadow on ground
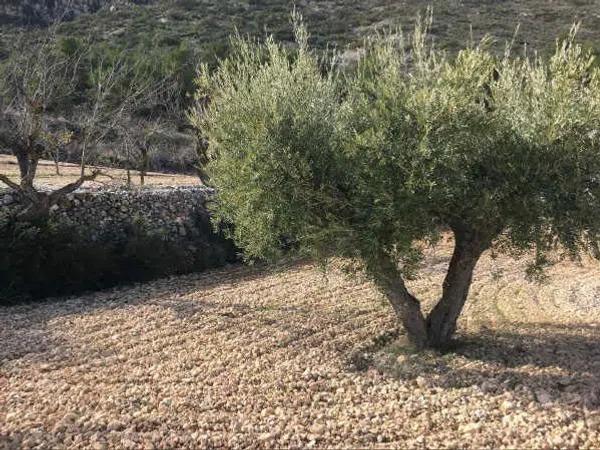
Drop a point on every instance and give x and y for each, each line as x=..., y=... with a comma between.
x=542, y=362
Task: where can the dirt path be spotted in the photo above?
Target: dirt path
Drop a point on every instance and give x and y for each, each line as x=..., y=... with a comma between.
x=246, y=358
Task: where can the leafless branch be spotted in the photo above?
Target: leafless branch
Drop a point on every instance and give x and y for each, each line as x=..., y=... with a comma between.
x=11, y=184
x=72, y=187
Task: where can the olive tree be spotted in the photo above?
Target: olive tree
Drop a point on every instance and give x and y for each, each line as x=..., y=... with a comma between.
x=502, y=152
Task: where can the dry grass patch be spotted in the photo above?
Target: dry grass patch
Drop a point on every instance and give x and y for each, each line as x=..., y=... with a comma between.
x=251, y=358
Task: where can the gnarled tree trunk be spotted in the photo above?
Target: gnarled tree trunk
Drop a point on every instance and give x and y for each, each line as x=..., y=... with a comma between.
x=36, y=204
x=437, y=329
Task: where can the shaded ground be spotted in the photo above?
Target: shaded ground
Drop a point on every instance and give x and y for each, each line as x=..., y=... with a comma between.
x=70, y=172
x=247, y=358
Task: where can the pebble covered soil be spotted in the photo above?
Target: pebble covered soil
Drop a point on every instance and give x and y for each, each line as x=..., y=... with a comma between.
x=294, y=357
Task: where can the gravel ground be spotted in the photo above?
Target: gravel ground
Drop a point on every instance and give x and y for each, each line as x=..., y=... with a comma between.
x=244, y=358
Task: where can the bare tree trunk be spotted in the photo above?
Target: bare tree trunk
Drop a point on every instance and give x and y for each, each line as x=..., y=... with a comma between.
x=23, y=161
x=128, y=164
x=145, y=163
x=33, y=166
x=441, y=322
x=407, y=308
x=56, y=161
x=82, y=161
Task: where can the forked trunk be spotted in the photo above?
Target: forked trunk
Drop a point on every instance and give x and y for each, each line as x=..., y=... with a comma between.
x=437, y=330
x=442, y=320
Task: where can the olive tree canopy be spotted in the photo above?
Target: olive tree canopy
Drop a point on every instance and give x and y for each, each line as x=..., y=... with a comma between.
x=369, y=164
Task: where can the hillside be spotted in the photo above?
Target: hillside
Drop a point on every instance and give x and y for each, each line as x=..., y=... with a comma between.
x=251, y=358
x=44, y=12
x=169, y=38
x=333, y=23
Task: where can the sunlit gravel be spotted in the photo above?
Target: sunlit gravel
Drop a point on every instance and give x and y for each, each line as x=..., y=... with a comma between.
x=294, y=357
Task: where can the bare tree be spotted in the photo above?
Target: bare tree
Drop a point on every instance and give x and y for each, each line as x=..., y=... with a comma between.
x=144, y=136
x=118, y=87
x=38, y=84
x=32, y=86
x=149, y=126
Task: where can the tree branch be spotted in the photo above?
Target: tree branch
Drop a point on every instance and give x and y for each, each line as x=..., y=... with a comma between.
x=71, y=187
x=11, y=184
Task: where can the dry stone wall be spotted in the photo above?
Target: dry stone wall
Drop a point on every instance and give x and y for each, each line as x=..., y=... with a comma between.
x=102, y=238
x=175, y=213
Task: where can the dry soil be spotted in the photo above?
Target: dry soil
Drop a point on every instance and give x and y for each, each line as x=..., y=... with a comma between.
x=247, y=357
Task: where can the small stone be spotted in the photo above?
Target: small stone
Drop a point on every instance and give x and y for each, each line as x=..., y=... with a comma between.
x=572, y=398
x=470, y=427
x=488, y=386
x=7, y=200
x=128, y=443
x=266, y=437
x=421, y=382
x=593, y=421
x=507, y=406
x=543, y=396
x=317, y=428
x=115, y=425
